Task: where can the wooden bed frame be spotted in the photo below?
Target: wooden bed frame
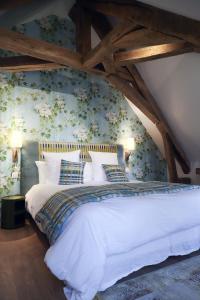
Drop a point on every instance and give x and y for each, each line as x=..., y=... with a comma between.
x=85, y=148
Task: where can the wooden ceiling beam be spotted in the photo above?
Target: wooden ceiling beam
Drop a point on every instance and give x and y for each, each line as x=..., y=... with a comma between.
x=152, y=52
x=25, y=63
x=128, y=74
x=104, y=48
x=29, y=64
x=102, y=26
x=151, y=17
x=124, y=74
x=9, y=4
x=144, y=38
x=60, y=56
x=17, y=42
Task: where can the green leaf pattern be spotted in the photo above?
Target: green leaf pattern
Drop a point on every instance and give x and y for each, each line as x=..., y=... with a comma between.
x=68, y=105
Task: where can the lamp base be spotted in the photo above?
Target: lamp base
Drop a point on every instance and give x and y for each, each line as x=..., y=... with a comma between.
x=15, y=155
x=127, y=155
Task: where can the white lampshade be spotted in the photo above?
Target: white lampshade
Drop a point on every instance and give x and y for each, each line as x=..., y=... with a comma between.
x=16, y=139
x=129, y=144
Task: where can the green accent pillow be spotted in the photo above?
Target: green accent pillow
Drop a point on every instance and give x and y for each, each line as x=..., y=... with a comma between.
x=115, y=173
x=71, y=172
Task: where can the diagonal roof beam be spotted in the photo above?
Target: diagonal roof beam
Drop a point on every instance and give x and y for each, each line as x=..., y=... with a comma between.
x=133, y=95
x=17, y=42
x=149, y=16
x=152, y=52
x=144, y=38
x=9, y=4
x=25, y=63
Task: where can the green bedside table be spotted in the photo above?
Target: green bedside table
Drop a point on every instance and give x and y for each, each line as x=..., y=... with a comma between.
x=13, y=211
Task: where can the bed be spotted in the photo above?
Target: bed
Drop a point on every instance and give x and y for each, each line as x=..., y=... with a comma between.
x=105, y=241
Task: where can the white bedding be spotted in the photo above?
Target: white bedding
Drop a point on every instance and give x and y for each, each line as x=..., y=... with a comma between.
x=105, y=241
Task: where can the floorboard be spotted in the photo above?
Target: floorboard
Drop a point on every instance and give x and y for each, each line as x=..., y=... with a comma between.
x=23, y=273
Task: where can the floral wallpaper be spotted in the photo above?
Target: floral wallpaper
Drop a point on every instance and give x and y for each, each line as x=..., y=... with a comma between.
x=68, y=105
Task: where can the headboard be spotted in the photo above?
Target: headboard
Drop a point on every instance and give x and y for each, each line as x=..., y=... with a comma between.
x=32, y=151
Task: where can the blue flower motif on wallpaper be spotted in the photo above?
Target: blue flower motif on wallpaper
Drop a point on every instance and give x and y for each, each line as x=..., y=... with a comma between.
x=68, y=105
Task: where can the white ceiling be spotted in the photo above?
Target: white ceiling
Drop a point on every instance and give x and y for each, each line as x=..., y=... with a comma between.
x=188, y=8
x=36, y=10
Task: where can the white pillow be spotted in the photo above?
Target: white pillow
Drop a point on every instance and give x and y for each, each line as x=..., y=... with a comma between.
x=87, y=173
x=42, y=171
x=99, y=158
x=53, y=161
x=70, y=156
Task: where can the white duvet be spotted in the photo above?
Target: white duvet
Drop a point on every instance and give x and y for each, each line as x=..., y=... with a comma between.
x=105, y=241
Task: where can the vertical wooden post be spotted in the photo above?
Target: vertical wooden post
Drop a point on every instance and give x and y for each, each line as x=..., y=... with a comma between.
x=82, y=20
x=169, y=154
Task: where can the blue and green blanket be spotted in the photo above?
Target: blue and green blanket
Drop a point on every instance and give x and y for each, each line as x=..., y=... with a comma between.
x=55, y=213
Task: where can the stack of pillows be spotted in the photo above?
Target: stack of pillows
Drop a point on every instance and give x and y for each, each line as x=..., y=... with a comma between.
x=65, y=168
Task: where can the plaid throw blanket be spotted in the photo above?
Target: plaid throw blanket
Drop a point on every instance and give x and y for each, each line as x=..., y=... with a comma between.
x=57, y=210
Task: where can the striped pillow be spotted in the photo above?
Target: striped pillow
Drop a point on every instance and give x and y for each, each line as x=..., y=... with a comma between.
x=71, y=172
x=115, y=173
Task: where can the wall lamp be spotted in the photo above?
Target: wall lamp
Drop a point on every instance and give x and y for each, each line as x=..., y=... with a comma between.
x=15, y=144
x=129, y=146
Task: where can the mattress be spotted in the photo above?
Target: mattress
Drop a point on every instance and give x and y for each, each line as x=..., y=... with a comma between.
x=179, y=243
x=104, y=242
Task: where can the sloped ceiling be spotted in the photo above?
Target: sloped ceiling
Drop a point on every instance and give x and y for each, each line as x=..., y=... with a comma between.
x=186, y=8
x=35, y=10
x=174, y=82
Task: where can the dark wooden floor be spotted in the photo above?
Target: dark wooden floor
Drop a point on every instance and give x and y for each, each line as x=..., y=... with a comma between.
x=23, y=273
